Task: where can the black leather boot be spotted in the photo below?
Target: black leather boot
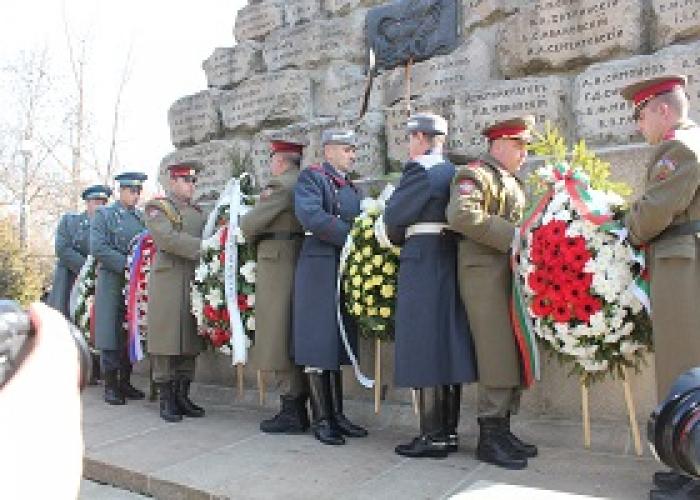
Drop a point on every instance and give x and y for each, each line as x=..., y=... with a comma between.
x=431, y=442
x=95, y=375
x=453, y=399
x=113, y=395
x=344, y=425
x=128, y=390
x=670, y=480
x=169, y=410
x=182, y=398
x=525, y=449
x=494, y=446
x=322, y=426
x=290, y=419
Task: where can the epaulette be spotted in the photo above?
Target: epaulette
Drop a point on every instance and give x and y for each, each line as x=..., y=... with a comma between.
x=335, y=179
x=166, y=206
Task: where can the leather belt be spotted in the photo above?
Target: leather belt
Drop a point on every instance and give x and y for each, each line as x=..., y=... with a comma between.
x=280, y=235
x=426, y=228
x=684, y=229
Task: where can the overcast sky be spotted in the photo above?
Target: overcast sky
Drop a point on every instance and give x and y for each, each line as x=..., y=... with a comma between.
x=168, y=40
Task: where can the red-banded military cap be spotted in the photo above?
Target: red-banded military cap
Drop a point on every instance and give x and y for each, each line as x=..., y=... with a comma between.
x=184, y=169
x=640, y=93
x=286, y=147
x=519, y=128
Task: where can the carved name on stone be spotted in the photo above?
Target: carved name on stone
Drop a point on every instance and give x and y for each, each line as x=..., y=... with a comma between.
x=343, y=7
x=194, y=119
x=603, y=116
x=278, y=98
x=228, y=66
x=479, y=11
x=482, y=105
x=675, y=20
x=315, y=43
x=219, y=158
x=254, y=21
x=299, y=11
x=443, y=75
x=341, y=91
x=555, y=34
x=412, y=30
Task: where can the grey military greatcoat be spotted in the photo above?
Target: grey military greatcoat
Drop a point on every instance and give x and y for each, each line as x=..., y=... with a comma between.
x=274, y=228
x=112, y=230
x=72, y=246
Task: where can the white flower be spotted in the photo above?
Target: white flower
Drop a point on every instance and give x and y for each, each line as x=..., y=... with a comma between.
x=250, y=324
x=214, y=297
x=201, y=273
x=226, y=349
x=594, y=366
x=248, y=271
x=629, y=347
x=214, y=265
x=251, y=300
x=563, y=215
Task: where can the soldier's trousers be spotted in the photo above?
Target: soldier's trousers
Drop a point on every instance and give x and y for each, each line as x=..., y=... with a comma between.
x=114, y=359
x=498, y=401
x=167, y=368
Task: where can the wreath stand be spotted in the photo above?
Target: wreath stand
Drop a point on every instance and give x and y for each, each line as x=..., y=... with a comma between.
x=261, y=387
x=240, y=379
x=631, y=413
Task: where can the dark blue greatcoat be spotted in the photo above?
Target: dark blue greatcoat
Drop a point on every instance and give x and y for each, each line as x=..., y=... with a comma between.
x=72, y=246
x=326, y=205
x=433, y=342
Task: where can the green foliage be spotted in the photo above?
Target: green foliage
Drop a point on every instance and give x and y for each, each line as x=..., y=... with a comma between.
x=21, y=278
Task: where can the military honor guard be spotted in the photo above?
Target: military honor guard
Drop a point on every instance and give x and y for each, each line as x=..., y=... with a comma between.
x=486, y=206
x=666, y=218
x=272, y=226
x=111, y=232
x=434, y=350
x=176, y=227
x=72, y=246
x=326, y=203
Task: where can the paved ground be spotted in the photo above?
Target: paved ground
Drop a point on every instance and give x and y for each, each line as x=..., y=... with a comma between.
x=225, y=456
x=90, y=490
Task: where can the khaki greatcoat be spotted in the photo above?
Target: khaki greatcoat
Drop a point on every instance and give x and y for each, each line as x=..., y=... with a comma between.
x=671, y=197
x=172, y=329
x=274, y=213
x=486, y=204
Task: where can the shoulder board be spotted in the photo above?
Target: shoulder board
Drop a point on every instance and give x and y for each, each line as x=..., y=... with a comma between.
x=167, y=207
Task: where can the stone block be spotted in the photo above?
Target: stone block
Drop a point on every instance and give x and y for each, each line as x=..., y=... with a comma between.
x=255, y=21
x=341, y=91
x=603, y=116
x=299, y=11
x=553, y=35
x=228, y=66
x=479, y=12
x=483, y=104
x=343, y=7
x=396, y=117
x=194, y=118
x=272, y=99
x=473, y=60
x=675, y=20
x=313, y=44
x=220, y=158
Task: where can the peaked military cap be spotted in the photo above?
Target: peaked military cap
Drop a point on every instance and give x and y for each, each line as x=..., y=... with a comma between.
x=640, y=93
x=128, y=179
x=515, y=128
x=428, y=123
x=336, y=136
x=184, y=169
x=96, y=192
x=290, y=146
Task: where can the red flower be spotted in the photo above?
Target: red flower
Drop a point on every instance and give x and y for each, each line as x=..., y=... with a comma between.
x=225, y=315
x=541, y=306
x=573, y=294
x=586, y=308
x=581, y=280
x=243, y=302
x=557, y=230
x=561, y=312
x=538, y=281
x=210, y=313
x=219, y=337
x=222, y=258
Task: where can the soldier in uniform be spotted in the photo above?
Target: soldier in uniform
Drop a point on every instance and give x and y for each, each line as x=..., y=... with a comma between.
x=173, y=344
x=326, y=203
x=111, y=232
x=272, y=226
x=486, y=205
x=434, y=351
x=72, y=247
x=666, y=218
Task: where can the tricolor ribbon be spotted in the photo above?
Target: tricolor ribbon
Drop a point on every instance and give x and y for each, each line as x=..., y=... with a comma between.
x=136, y=266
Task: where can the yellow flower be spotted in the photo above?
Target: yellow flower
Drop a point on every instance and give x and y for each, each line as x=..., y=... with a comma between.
x=374, y=211
x=353, y=270
x=371, y=311
x=369, y=300
x=380, y=328
x=367, y=251
x=396, y=251
x=378, y=280
x=357, y=281
x=377, y=260
x=368, y=284
x=387, y=291
x=354, y=232
x=385, y=312
x=369, y=233
x=356, y=294
x=389, y=268
x=365, y=222
x=367, y=269
x=357, y=310
x=357, y=257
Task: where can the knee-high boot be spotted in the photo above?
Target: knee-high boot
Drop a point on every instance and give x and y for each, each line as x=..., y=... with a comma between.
x=431, y=442
x=453, y=400
x=322, y=425
x=344, y=425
